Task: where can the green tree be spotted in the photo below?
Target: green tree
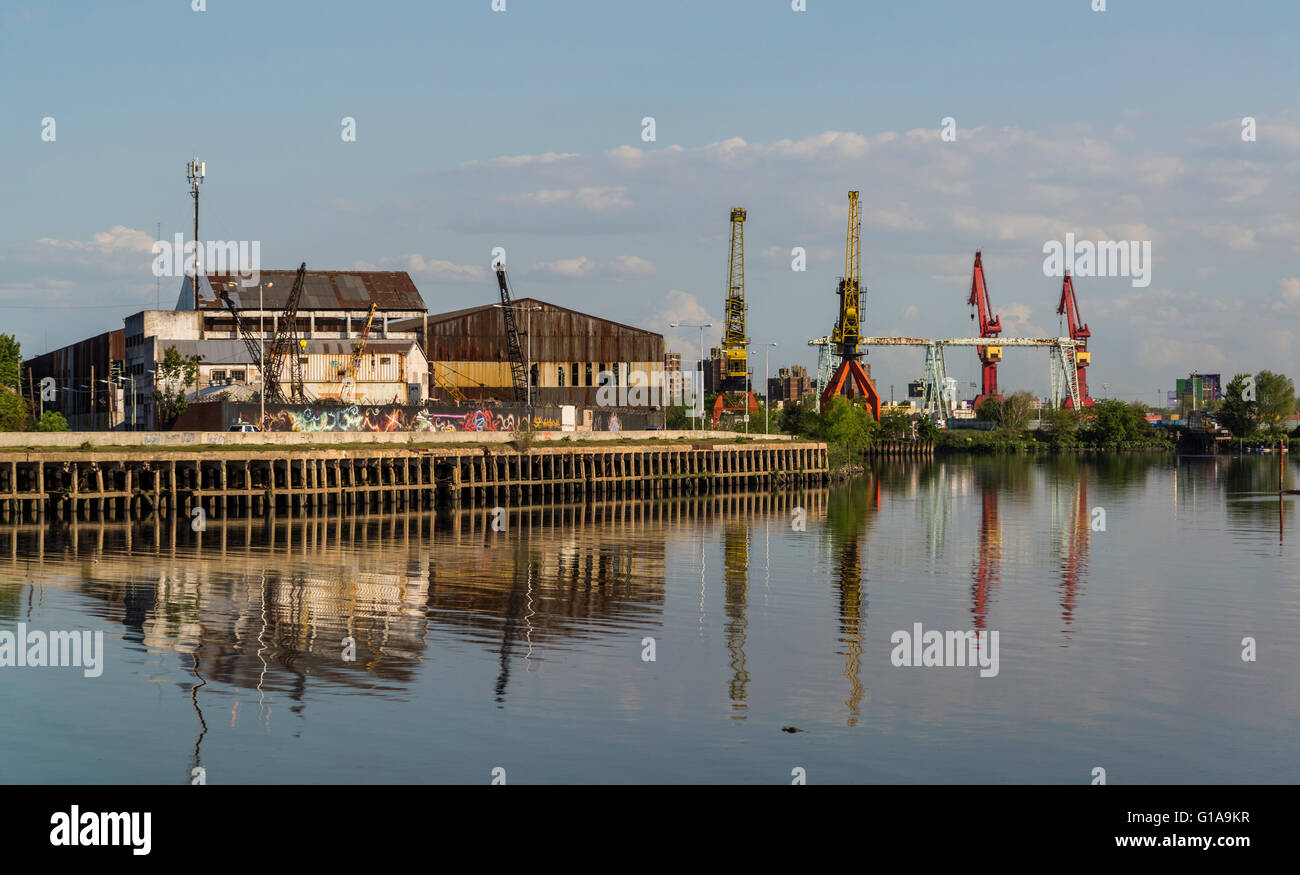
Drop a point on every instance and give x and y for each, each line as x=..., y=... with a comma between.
x=896, y=425
x=1237, y=413
x=1061, y=426
x=1275, y=401
x=11, y=362
x=13, y=411
x=176, y=371
x=51, y=421
x=1016, y=409
x=990, y=410
x=850, y=425
x=1115, y=422
x=926, y=430
x=800, y=418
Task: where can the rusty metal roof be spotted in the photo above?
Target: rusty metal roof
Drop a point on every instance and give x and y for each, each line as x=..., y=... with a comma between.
x=322, y=290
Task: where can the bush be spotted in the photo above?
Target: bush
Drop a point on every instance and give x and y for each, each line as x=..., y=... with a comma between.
x=51, y=421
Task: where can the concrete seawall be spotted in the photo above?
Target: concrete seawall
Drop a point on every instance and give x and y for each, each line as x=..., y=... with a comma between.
x=76, y=439
x=138, y=481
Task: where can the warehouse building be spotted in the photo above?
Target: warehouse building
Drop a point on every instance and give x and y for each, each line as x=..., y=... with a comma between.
x=468, y=356
x=85, y=382
x=333, y=312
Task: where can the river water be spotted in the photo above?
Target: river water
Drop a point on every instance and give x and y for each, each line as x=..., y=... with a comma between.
x=677, y=640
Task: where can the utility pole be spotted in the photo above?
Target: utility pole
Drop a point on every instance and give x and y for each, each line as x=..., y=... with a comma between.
x=195, y=171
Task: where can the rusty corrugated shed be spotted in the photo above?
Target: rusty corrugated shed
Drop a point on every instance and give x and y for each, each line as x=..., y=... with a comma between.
x=558, y=335
x=388, y=290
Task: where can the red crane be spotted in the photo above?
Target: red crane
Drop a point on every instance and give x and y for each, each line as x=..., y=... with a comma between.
x=1069, y=307
x=990, y=326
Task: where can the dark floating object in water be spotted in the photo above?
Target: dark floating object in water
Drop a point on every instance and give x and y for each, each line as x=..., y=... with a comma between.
x=792, y=729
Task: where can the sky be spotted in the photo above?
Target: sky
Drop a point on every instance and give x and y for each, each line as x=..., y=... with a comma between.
x=523, y=129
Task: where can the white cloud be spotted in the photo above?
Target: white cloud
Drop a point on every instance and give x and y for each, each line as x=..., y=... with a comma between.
x=430, y=268
x=620, y=267
x=119, y=238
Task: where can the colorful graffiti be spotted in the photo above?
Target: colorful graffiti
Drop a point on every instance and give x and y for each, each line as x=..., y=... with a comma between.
x=324, y=418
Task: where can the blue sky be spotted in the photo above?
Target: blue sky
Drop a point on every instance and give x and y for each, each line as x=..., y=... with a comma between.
x=523, y=129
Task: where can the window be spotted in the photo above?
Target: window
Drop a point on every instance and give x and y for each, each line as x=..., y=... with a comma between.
x=217, y=377
x=588, y=373
x=576, y=378
x=237, y=375
x=386, y=360
x=302, y=360
x=559, y=375
x=533, y=375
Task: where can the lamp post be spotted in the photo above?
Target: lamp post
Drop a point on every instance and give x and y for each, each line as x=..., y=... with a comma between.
x=767, y=392
x=528, y=370
x=700, y=393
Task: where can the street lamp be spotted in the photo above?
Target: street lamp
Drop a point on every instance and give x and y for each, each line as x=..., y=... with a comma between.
x=528, y=371
x=700, y=393
x=767, y=392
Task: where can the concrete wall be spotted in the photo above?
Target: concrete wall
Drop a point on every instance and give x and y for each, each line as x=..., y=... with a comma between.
x=74, y=440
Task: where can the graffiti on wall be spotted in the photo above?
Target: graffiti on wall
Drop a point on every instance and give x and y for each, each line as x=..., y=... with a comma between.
x=322, y=418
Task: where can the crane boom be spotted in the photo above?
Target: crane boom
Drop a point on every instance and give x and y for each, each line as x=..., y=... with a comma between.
x=518, y=372
x=990, y=326
x=1069, y=308
x=254, y=346
x=286, y=339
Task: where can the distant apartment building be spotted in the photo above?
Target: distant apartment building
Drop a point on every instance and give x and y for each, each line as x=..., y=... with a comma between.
x=790, y=384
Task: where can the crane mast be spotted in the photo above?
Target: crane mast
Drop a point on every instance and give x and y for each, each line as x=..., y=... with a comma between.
x=848, y=328
x=990, y=326
x=734, y=395
x=735, y=351
x=1069, y=307
x=850, y=378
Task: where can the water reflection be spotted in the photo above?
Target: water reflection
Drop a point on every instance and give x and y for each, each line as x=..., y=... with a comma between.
x=453, y=618
x=848, y=516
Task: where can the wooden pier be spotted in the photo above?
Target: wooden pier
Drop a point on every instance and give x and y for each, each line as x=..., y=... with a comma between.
x=142, y=482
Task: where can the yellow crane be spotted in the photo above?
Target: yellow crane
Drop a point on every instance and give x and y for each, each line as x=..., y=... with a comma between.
x=734, y=395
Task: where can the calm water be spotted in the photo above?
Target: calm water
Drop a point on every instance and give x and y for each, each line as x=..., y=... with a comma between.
x=524, y=649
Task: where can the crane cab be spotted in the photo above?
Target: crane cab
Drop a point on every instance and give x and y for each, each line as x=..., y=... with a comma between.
x=1082, y=358
x=992, y=353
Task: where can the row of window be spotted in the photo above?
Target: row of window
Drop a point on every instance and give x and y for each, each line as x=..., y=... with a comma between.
x=577, y=372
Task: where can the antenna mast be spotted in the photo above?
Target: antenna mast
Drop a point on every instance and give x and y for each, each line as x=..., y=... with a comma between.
x=195, y=171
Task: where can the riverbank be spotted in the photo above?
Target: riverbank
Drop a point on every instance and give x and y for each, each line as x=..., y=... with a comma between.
x=148, y=480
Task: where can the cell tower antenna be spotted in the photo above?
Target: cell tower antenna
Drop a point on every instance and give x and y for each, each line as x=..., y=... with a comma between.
x=195, y=171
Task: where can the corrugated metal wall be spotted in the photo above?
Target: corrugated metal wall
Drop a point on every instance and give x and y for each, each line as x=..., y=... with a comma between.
x=558, y=336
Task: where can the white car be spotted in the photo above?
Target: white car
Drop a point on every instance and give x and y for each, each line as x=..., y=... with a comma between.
x=243, y=426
